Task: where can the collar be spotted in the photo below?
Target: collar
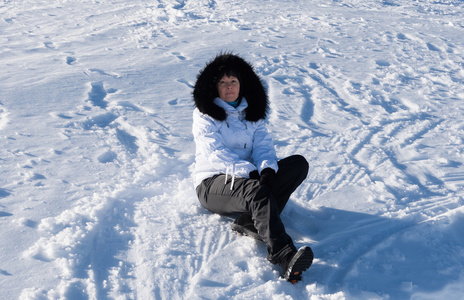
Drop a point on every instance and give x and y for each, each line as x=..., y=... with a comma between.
x=229, y=108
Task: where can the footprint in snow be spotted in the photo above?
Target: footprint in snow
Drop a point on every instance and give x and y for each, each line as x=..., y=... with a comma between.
x=101, y=121
x=49, y=45
x=4, y=193
x=107, y=157
x=179, y=56
x=36, y=176
x=27, y=222
x=70, y=60
x=382, y=63
x=432, y=47
x=5, y=214
x=127, y=140
x=401, y=36
x=6, y=273
x=98, y=94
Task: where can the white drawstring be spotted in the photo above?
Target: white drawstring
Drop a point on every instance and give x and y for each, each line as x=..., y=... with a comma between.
x=233, y=176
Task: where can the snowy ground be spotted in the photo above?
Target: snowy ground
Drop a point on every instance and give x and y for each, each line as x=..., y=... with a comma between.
x=96, y=195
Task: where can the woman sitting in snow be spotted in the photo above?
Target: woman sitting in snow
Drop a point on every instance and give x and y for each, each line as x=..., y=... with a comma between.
x=236, y=168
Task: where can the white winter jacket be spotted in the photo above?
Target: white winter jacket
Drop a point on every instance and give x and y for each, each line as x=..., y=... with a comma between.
x=234, y=146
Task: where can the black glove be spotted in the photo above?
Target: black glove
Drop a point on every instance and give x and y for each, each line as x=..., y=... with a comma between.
x=254, y=175
x=268, y=177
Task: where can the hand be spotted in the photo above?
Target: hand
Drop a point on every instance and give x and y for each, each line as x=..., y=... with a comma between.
x=254, y=175
x=268, y=178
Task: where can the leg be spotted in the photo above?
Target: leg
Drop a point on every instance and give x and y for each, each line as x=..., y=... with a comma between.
x=292, y=171
x=218, y=197
x=248, y=196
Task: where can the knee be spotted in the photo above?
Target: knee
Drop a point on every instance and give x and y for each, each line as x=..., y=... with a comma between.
x=301, y=161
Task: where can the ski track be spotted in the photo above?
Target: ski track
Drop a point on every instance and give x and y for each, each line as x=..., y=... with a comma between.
x=129, y=239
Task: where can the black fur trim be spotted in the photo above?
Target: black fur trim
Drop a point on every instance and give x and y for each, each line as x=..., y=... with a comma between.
x=251, y=87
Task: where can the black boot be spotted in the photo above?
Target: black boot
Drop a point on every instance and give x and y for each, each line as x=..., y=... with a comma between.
x=245, y=225
x=295, y=263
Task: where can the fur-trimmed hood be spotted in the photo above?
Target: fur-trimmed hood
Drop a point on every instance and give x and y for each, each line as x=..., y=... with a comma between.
x=251, y=87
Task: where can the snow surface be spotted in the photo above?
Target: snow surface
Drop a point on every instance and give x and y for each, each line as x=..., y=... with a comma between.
x=96, y=194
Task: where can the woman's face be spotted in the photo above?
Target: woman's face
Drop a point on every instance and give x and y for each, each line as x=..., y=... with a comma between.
x=228, y=88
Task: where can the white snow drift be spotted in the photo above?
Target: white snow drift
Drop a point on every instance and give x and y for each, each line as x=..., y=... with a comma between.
x=96, y=195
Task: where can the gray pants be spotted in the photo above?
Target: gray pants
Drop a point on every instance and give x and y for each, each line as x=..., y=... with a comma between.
x=264, y=203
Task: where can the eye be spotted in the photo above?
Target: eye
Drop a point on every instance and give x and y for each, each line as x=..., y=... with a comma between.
x=233, y=82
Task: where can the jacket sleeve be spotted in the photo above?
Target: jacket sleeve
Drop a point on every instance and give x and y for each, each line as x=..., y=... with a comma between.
x=210, y=144
x=264, y=155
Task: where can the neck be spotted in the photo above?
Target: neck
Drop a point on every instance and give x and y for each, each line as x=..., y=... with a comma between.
x=235, y=103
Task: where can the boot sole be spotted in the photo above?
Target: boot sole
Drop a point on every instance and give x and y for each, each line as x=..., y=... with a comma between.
x=299, y=263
